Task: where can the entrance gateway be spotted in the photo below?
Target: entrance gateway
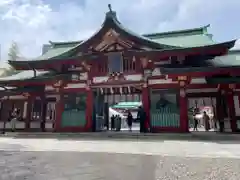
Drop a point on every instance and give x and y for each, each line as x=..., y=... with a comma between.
x=114, y=100
x=67, y=88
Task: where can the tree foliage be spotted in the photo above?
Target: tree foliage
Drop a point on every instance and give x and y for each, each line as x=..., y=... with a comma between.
x=13, y=53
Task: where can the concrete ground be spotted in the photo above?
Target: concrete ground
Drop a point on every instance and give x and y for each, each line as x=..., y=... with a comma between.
x=63, y=159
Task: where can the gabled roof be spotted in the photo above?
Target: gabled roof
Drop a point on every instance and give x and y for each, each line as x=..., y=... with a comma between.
x=158, y=42
x=61, y=49
x=93, y=56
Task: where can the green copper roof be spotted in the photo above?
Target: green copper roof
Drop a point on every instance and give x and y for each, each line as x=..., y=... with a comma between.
x=125, y=105
x=27, y=75
x=186, y=41
x=197, y=37
x=184, y=38
x=193, y=31
x=57, y=50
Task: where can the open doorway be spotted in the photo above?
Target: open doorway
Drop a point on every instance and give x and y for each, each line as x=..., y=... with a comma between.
x=112, y=102
x=202, y=114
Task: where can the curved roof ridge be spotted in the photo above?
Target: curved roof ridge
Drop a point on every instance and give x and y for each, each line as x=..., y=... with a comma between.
x=64, y=42
x=111, y=17
x=198, y=30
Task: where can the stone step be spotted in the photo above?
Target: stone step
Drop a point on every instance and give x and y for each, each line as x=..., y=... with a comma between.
x=204, y=136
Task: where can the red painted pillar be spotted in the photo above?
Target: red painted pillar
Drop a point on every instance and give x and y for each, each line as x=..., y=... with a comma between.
x=59, y=111
x=231, y=109
x=183, y=104
x=89, y=109
x=219, y=108
x=146, y=104
x=238, y=98
x=30, y=101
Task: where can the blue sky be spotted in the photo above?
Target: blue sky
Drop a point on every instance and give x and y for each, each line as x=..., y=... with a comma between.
x=32, y=23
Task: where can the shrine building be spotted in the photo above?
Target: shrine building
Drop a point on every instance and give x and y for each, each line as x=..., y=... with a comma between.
x=70, y=87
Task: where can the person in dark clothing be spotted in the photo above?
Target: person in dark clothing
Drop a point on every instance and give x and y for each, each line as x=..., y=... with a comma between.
x=142, y=117
x=118, y=123
x=112, y=122
x=195, y=123
x=195, y=120
x=129, y=120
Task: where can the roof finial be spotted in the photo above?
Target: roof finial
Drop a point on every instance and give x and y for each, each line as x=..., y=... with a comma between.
x=110, y=7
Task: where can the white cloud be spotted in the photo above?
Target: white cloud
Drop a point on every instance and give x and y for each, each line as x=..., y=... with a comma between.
x=237, y=45
x=34, y=22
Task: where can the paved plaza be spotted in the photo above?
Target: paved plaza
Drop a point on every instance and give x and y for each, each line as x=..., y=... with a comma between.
x=63, y=159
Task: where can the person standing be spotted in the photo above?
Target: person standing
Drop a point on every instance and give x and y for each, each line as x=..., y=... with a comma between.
x=195, y=121
x=118, y=122
x=14, y=118
x=206, y=120
x=112, y=122
x=142, y=117
x=129, y=120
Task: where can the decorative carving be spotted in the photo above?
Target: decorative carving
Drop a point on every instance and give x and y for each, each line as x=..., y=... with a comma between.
x=116, y=77
x=86, y=66
x=58, y=84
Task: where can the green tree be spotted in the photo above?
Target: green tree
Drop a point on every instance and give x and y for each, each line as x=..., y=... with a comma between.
x=13, y=53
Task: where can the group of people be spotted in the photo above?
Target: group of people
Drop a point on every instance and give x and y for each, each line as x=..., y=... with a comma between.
x=205, y=119
x=116, y=120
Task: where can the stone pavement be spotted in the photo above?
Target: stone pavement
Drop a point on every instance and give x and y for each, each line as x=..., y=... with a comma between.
x=63, y=159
